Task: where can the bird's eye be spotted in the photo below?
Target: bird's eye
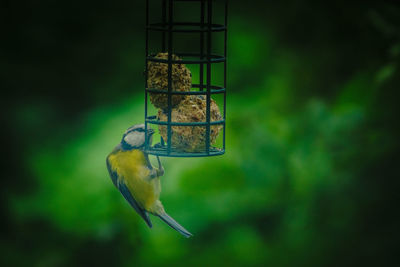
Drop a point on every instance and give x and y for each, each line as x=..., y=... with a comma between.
x=140, y=130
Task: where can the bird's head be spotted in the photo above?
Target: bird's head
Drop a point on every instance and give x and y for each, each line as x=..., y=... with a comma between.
x=135, y=136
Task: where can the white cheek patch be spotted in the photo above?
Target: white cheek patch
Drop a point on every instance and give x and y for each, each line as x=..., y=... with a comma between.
x=134, y=127
x=135, y=140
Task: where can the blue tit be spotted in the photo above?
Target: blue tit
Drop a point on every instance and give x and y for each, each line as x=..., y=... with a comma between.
x=135, y=177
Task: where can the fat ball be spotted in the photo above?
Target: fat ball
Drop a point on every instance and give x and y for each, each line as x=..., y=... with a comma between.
x=158, y=79
x=191, y=138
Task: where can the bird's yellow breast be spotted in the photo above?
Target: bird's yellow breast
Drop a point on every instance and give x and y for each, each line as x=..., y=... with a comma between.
x=131, y=167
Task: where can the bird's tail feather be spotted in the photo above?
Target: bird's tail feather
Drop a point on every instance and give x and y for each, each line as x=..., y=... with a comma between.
x=173, y=224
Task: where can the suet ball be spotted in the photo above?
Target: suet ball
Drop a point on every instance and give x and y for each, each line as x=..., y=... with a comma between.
x=191, y=138
x=157, y=78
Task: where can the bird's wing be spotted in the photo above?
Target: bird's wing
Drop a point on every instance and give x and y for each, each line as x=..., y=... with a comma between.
x=128, y=196
x=113, y=175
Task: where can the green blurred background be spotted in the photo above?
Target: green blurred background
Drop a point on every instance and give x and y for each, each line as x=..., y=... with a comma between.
x=310, y=176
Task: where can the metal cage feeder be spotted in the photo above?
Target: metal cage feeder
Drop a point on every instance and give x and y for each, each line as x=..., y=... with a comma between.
x=203, y=58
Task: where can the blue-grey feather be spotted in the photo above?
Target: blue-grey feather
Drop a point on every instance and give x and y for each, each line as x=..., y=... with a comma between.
x=113, y=175
x=174, y=224
x=127, y=195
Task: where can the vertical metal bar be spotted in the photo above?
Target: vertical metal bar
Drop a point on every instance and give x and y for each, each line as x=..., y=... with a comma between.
x=146, y=74
x=225, y=68
x=209, y=22
x=170, y=50
x=164, y=21
x=163, y=38
x=201, y=44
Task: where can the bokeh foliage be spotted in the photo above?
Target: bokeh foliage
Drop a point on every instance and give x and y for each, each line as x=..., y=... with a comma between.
x=310, y=175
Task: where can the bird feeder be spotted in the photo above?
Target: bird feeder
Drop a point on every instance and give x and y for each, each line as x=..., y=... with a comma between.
x=188, y=118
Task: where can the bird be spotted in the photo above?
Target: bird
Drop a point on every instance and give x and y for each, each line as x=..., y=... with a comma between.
x=136, y=179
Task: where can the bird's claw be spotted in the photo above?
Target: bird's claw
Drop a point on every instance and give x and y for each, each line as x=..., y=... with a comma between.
x=153, y=173
x=161, y=171
x=160, y=167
